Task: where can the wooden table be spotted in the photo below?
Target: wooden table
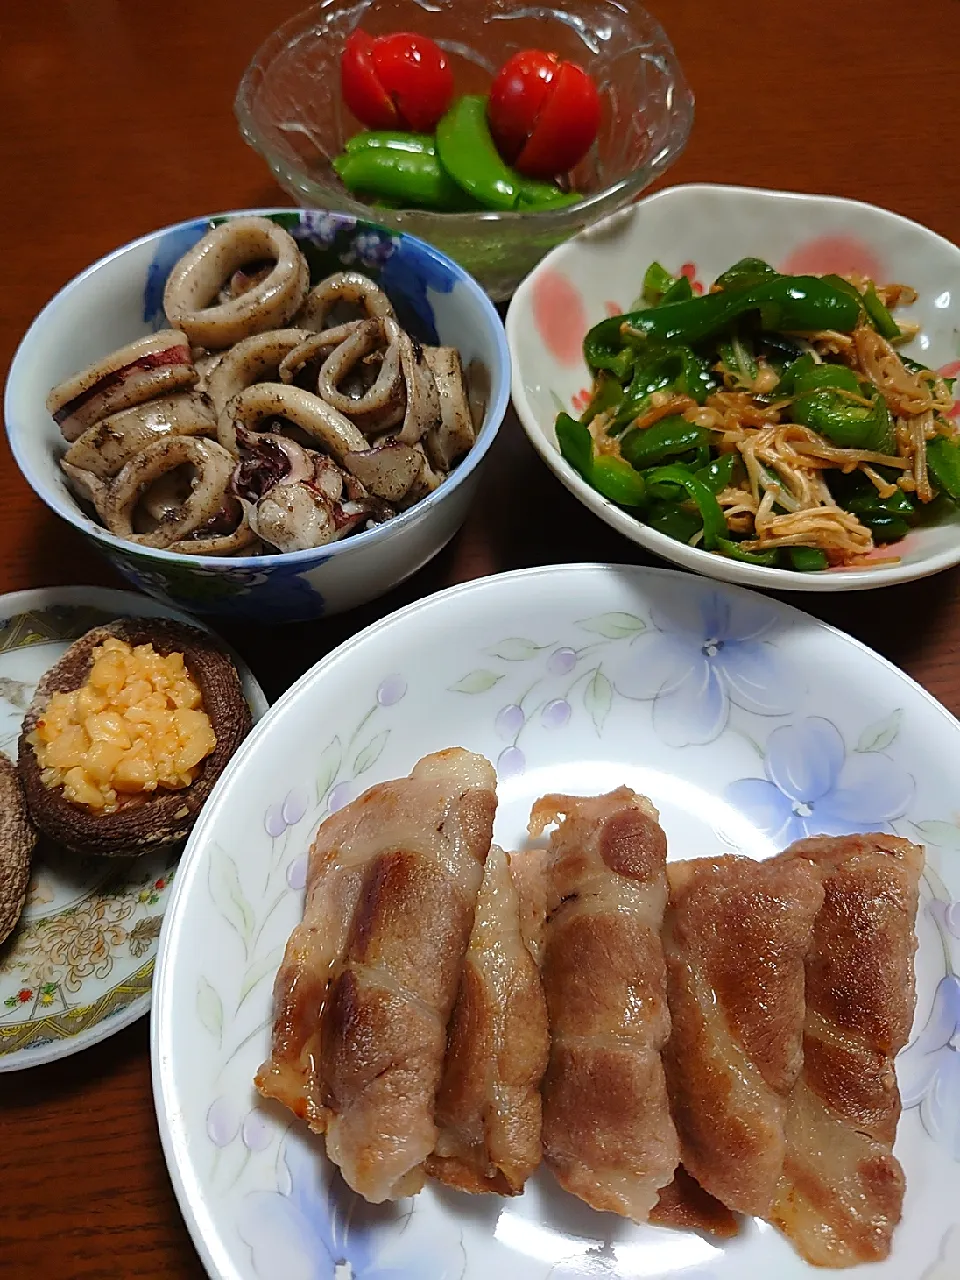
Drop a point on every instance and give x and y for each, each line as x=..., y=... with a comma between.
x=117, y=120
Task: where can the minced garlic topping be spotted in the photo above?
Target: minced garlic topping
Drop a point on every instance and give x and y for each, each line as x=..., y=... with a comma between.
x=135, y=725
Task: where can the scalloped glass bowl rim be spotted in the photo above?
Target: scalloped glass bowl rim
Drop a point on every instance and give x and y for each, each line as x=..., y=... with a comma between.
x=493, y=417
x=599, y=203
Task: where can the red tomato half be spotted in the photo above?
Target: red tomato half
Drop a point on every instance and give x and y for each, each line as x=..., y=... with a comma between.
x=395, y=81
x=544, y=114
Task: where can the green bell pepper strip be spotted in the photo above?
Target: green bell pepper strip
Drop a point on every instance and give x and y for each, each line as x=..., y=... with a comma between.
x=745, y=274
x=612, y=477
x=672, y=520
x=718, y=474
x=714, y=525
x=656, y=281
x=845, y=423
x=880, y=317
x=618, y=481
x=785, y=302
x=733, y=551
x=815, y=376
x=856, y=494
x=885, y=528
x=668, y=438
x=796, y=369
x=607, y=394
x=807, y=559
x=411, y=177
x=469, y=155
x=943, y=463
x=576, y=444
x=679, y=291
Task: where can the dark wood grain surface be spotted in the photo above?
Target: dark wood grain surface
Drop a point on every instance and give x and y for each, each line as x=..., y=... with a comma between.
x=117, y=119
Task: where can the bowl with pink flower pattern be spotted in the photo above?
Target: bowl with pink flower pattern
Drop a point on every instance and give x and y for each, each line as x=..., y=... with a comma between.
x=698, y=231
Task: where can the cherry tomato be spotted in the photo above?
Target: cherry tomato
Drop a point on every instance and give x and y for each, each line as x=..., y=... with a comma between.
x=398, y=81
x=543, y=113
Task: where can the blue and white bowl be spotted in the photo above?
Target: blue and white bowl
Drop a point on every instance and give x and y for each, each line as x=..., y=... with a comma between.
x=120, y=298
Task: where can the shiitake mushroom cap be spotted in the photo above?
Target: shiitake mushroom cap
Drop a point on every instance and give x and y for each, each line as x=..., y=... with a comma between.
x=17, y=839
x=149, y=820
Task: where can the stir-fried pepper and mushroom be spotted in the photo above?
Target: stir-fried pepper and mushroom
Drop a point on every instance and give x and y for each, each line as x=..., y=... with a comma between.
x=271, y=416
x=771, y=420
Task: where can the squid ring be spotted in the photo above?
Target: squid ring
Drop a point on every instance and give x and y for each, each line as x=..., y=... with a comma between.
x=222, y=544
x=200, y=273
x=255, y=359
x=316, y=346
x=267, y=400
x=109, y=443
x=213, y=466
x=344, y=286
x=151, y=366
x=382, y=405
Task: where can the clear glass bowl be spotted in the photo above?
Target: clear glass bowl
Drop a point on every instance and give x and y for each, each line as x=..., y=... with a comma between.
x=290, y=111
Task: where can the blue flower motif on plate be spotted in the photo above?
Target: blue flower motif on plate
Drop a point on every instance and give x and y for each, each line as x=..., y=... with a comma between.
x=705, y=652
x=313, y=1225
x=168, y=252
x=929, y=1068
x=409, y=275
x=814, y=787
x=321, y=227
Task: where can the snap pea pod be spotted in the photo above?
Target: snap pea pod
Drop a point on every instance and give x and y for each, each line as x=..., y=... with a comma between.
x=784, y=302
x=943, y=463
x=714, y=525
x=403, y=168
x=669, y=438
x=468, y=153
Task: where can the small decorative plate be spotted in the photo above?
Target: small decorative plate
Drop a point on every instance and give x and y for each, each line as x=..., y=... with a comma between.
x=79, y=965
x=748, y=723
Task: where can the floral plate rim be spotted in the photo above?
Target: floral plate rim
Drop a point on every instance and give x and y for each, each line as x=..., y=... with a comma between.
x=206, y=1230
x=113, y=1016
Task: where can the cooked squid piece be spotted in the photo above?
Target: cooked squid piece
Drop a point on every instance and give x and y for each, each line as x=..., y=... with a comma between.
x=735, y=937
x=488, y=1107
x=368, y=981
x=375, y=407
x=254, y=359
x=191, y=294
x=841, y=1193
x=152, y=366
x=607, y=1131
x=349, y=290
x=104, y=448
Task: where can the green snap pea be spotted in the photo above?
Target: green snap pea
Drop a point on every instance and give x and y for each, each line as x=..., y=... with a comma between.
x=669, y=438
x=943, y=463
x=408, y=176
x=468, y=153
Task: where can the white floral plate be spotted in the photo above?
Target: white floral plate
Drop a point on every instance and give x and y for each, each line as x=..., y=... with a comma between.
x=79, y=965
x=748, y=722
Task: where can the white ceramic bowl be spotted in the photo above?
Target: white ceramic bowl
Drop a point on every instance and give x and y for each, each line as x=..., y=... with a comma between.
x=710, y=227
x=120, y=298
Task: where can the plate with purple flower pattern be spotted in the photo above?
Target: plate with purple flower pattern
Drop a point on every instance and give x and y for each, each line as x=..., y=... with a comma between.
x=749, y=724
x=79, y=965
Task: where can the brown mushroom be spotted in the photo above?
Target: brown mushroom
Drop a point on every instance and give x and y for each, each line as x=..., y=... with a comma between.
x=17, y=839
x=143, y=822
